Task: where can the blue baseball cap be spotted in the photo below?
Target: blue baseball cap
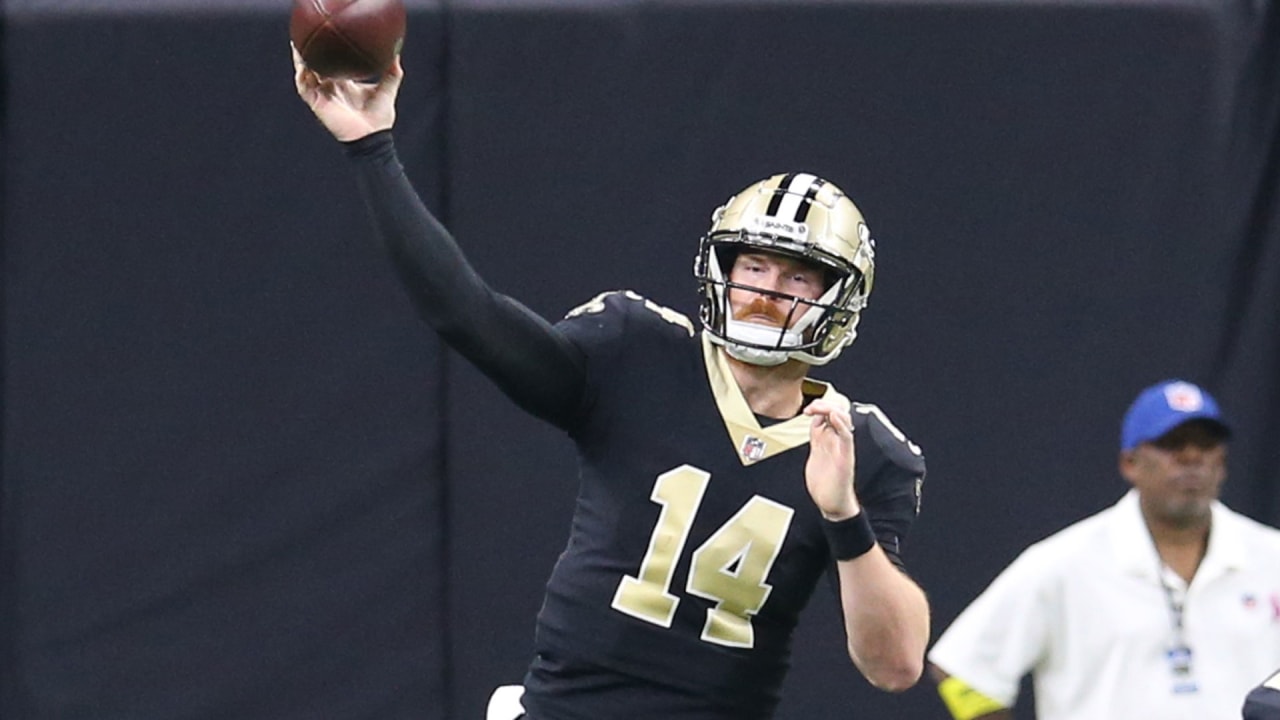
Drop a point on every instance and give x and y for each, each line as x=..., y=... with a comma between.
x=1164, y=406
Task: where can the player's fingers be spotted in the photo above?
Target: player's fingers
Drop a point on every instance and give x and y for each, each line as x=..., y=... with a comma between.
x=304, y=84
x=838, y=432
x=821, y=406
x=841, y=420
x=819, y=419
x=304, y=79
x=834, y=414
x=299, y=67
x=389, y=83
x=821, y=426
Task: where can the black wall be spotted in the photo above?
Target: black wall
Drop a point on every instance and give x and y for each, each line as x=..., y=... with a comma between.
x=240, y=480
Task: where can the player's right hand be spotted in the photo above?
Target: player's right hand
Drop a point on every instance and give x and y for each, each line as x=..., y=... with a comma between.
x=348, y=108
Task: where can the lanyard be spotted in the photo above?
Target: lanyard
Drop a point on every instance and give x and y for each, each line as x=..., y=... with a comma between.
x=1175, y=600
x=1179, y=654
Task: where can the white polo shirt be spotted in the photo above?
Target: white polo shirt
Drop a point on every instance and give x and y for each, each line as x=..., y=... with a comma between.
x=1085, y=612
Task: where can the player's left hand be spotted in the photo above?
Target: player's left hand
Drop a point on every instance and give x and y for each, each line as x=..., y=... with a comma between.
x=828, y=474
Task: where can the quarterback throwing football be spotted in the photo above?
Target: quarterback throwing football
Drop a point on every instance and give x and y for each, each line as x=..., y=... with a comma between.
x=719, y=483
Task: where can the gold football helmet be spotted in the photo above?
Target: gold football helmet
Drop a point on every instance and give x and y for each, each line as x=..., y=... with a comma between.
x=802, y=216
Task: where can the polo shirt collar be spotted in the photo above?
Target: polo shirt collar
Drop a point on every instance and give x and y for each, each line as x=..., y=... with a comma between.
x=1135, y=551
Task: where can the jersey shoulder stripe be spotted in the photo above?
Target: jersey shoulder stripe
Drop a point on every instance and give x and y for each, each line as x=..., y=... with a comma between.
x=609, y=315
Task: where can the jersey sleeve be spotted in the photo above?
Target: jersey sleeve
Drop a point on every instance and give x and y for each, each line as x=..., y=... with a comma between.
x=1002, y=634
x=889, y=478
x=531, y=361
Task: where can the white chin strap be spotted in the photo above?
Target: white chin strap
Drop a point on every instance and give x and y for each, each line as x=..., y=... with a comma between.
x=748, y=332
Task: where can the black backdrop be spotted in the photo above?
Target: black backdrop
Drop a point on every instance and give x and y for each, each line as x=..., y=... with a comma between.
x=241, y=481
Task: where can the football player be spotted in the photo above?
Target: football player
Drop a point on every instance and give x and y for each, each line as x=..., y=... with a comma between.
x=718, y=481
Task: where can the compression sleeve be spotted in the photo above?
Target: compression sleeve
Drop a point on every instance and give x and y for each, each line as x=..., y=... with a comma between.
x=528, y=358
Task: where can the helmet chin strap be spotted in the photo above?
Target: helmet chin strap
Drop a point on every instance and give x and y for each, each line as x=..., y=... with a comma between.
x=747, y=332
x=755, y=356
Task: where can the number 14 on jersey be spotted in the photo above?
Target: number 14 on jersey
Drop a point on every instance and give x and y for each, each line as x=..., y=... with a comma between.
x=729, y=569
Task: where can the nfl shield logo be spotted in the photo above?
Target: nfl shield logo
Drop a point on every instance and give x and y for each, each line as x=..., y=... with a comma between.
x=1184, y=397
x=753, y=448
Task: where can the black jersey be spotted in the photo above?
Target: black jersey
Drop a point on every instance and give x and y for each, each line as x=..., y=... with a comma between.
x=694, y=544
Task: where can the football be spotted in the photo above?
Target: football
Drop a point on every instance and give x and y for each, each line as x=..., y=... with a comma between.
x=355, y=39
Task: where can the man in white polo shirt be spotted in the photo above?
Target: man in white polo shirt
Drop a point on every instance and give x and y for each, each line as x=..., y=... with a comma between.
x=1165, y=606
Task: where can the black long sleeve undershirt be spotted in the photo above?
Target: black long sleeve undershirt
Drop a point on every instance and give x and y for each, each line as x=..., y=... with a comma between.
x=530, y=361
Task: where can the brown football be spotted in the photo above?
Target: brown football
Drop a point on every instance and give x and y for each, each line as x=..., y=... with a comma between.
x=347, y=38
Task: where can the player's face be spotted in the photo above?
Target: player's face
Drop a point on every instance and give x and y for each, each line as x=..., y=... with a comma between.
x=774, y=273
x=1179, y=474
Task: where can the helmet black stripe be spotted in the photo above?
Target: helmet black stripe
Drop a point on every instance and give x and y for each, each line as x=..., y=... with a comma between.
x=810, y=194
x=775, y=202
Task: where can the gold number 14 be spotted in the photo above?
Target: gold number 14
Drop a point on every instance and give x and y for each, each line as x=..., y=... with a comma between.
x=729, y=568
